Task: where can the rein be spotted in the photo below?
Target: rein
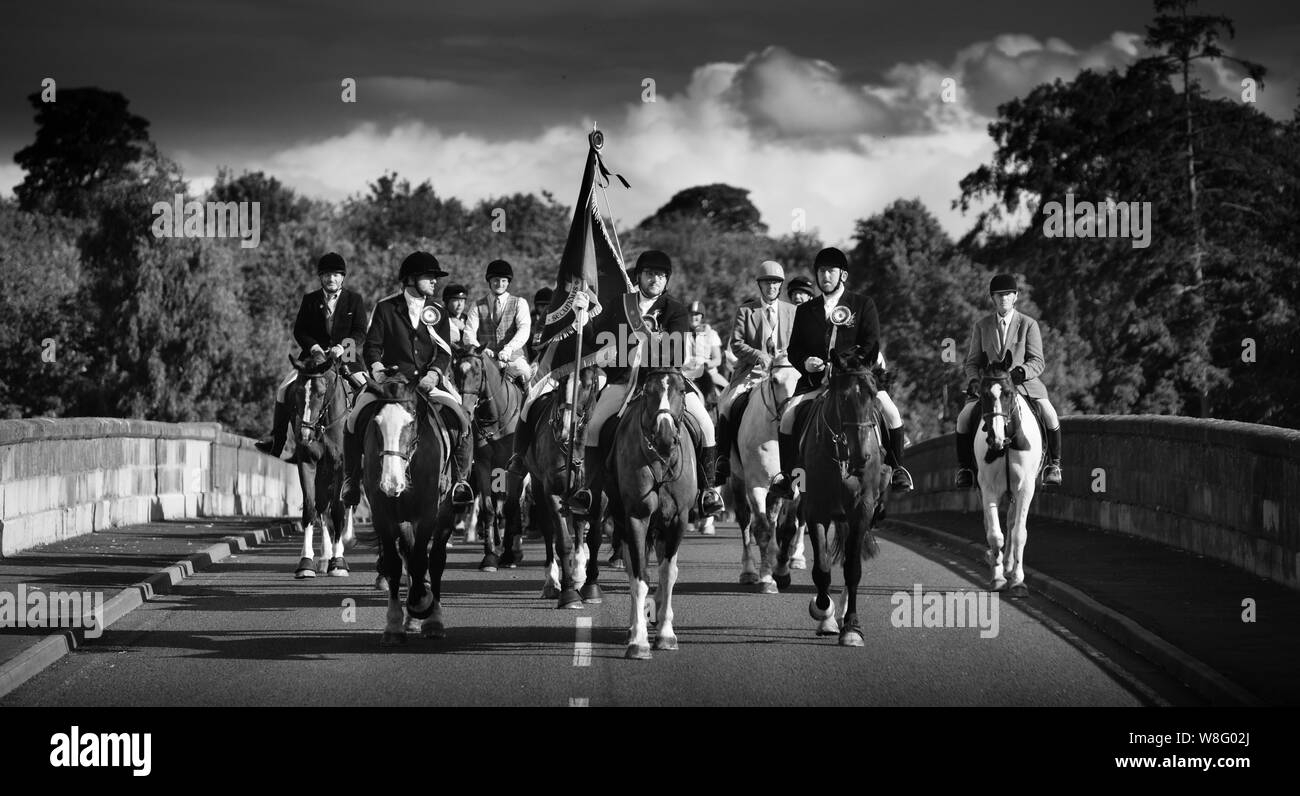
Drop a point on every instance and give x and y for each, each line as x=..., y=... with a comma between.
x=840, y=439
x=320, y=426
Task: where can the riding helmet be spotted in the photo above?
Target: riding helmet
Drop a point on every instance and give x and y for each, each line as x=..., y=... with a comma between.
x=654, y=259
x=331, y=263
x=499, y=268
x=454, y=292
x=770, y=271
x=831, y=258
x=800, y=284
x=1002, y=283
x=419, y=264
x=542, y=298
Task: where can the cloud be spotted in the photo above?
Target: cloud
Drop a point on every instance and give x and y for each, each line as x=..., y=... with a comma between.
x=10, y=177
x=792, y=130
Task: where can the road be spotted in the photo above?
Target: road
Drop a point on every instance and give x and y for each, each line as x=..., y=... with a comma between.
x=244, y=632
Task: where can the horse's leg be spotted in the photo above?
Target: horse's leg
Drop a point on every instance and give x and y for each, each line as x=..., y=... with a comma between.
x=419, y=596
x=341, y=519
x=781, y=518
x=797, y=559
x=638, y=641
x=1017, y=519
x=822, y=607
x=856, y=527
x=394, y=631
x=667, y=551
x=432, y=626
x=564, y=553
x=307, y=558
x=590, y=563
x=993, y=532
x=748, y=554
x=552, y=517
x=328, y=527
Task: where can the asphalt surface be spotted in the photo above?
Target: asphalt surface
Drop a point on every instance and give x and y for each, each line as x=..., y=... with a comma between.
x=244, y=632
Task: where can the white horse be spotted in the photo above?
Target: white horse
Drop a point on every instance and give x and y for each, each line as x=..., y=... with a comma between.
x=1009, y=454
x=755, y=462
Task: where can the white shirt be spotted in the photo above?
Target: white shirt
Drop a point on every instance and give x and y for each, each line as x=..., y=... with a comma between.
x=1004, y=322
x=833, y=300
x=413, y=308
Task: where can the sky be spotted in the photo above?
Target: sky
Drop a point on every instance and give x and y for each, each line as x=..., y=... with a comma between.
x=825, y=111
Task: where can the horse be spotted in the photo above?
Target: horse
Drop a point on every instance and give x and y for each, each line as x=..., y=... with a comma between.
x=572, y=569
x=1009, y=454
x=764, y=561
x=408, y=483
x=493, y=401
x=845, y=484
x=319, y=401
x=651, y=499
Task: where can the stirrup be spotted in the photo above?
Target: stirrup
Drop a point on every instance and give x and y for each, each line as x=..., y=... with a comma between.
x=579, y=502
x=965, y=478
x=1052, y=475
x=716, y=503
x=902, y=480
x=781, y=487
x=461, y=494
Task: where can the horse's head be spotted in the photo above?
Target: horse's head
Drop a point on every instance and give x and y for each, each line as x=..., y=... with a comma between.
x=396, y=425
x=661, y=408
x=467, y=372
x=997, y=395
x=315, y=386
x=851, y=408
x=784, y=376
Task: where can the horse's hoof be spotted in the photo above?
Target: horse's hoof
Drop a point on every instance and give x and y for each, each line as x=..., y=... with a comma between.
x=306, y=568
x=1018, y=592
x=748, y=578
x=798, y=562
x=338, y=568
x=390, y=639
x=433, y=628
x=666, y=643
x=592, y=595
x=767, y=587
x=782, y=581
x=819, y=613
x=412, y=625
x=851, y=637
x=489, y=563
x=550, y=591
x=569, y=598
x=637, y=652
x=828, y=627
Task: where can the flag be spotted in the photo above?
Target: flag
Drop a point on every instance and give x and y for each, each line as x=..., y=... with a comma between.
x=589, y=258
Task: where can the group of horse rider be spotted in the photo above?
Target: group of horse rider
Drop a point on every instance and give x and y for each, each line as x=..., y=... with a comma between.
x=414, y=334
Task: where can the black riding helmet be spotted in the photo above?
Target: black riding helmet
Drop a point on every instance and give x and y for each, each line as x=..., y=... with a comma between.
x=454, y=292
x=418, y=264
x=331, y=263
x=653, y=259
x=798, y=284
x=499, y=268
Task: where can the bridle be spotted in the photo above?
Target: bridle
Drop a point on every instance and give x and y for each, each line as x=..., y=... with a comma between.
x=558, y=408
x=672, y=465
x=307, y=430
x=841, y=445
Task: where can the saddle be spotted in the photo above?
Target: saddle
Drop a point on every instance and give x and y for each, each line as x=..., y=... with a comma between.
x=608, y=433
x=804, y=413
x=439, y=413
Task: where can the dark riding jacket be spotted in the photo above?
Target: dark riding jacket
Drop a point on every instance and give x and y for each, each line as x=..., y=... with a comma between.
x=811, y=334
x=415, y=351
x=668, y=324
x=347, y=328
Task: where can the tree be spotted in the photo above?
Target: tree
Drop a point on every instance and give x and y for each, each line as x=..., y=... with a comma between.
x=727, y=208
x=84, y=141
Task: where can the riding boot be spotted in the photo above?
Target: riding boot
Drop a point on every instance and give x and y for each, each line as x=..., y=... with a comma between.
x=781, y=485
x=463, y=460
x=1052, y=474
x=710, y=498
x=279, y=431
x=722, y=469
x=351, y=469
x=523, y=439
x=966, y=459
x=902, y=479
x=582, y=500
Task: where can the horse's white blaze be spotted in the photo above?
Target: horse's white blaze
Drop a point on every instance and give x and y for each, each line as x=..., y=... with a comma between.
x=998, y=420
x=664, y=417
x=309, y=390
x=392, y=474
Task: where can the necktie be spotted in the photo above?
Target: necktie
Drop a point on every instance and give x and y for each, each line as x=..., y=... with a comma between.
x=1002, y=332
x=772, y=334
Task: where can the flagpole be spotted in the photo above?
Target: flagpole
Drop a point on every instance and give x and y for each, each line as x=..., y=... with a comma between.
x=595, y=140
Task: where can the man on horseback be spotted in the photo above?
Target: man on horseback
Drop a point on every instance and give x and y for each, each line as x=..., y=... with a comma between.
x=409, y=331
x=759, y=334
x=456, y=298
x=799, y=290
x=1006, y=329
x=501, y=323
x=541, y=300
x=809, y=351
x=331, y=322
x=667, y=322
x=703, y=352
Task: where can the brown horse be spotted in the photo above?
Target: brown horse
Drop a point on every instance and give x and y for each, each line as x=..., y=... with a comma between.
x=319, y=400
x=493, y=401
x=408, y=483
x=572, y=569
x=845, y=482
x=651, y=499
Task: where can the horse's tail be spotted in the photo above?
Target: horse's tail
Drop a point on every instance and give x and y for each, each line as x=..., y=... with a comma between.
x=836, y=541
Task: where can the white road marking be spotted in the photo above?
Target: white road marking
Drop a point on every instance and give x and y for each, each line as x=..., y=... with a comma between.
x=582, y=645
x=578, y=702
